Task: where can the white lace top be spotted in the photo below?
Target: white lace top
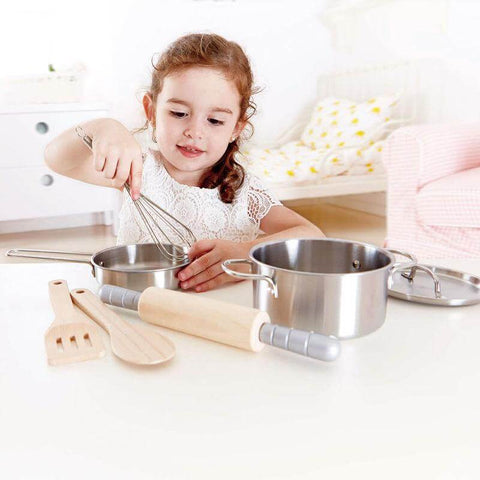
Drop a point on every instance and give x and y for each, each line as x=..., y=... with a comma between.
x=201, y=209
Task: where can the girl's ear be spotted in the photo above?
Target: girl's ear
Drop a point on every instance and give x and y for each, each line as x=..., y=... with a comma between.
x=149, y=107
x=238, y=130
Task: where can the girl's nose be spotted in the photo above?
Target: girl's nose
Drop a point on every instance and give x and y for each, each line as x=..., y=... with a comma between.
x=194, y=130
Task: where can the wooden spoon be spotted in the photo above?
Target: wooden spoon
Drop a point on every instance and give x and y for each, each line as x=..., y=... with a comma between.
x=132, y=343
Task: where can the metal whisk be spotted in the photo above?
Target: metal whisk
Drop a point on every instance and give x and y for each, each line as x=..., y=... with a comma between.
x=161, y=225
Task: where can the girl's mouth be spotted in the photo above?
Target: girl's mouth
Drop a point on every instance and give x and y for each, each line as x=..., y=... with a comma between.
x=189, y=151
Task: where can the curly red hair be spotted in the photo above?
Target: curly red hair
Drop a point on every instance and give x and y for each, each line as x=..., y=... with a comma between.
x=210, y=50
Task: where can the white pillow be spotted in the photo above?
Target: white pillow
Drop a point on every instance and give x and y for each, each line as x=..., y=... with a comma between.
x=338, y=123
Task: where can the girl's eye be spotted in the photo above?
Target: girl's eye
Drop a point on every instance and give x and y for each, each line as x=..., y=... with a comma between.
x=214, y=121
x=178, y=114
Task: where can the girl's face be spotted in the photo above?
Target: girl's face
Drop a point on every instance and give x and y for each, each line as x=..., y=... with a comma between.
x=196, y=117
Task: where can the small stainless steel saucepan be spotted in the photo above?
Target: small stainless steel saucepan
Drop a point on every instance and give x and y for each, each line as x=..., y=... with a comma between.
x=135, y=266
x=330, y=286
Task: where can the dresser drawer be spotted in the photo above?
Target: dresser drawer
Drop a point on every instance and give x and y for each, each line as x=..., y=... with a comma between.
x=38, y=192
x=24, y=135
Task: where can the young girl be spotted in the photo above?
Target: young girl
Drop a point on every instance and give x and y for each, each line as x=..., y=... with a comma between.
x=198, y=105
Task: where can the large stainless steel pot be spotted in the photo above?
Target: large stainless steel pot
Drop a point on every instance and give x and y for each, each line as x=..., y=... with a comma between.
x=135, y=266
x=330, y=286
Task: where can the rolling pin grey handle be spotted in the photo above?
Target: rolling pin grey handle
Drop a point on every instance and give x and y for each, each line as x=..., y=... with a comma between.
x=310, y=344
x=119, y=297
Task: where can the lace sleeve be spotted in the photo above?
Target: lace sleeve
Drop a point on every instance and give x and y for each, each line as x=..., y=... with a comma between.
x=260, y=199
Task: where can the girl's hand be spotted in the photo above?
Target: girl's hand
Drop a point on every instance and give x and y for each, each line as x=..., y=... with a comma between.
x=118, y=155
x=205, y=272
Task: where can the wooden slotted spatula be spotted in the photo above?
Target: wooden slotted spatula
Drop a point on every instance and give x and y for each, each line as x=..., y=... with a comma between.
x=70, y=338
x=132, y=343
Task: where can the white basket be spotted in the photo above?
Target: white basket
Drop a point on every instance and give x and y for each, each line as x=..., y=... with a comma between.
x=45, y=88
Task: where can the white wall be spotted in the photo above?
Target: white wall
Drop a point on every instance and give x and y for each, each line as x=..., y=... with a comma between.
x=281, y=39
x=285, y=40
x=289, y=43
x=446, y=32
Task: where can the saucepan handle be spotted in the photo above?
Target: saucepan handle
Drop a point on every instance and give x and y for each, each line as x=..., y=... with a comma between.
x=249, y=276
x=25, y=253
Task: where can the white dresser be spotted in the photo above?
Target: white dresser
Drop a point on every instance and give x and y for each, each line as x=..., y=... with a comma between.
x=32, y=196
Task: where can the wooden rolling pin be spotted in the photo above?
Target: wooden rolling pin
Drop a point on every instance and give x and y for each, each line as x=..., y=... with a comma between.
x=242, y=327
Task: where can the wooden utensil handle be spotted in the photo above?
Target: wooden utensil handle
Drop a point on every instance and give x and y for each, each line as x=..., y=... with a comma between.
x=190, y=313
x=96, y=310
x=61, y=302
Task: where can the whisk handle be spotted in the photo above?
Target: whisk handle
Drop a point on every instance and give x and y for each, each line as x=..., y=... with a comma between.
x=120, y=297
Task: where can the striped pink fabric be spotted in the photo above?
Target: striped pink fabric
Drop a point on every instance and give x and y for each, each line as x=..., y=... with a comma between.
x=415, y=157
x=445, y=150
x=452, y=201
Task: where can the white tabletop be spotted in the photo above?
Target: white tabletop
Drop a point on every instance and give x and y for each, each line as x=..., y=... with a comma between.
x=403, y=402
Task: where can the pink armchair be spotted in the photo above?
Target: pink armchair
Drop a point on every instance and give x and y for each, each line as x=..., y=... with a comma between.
x=433, y=196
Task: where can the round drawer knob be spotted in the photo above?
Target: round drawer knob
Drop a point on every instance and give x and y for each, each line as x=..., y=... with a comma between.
x=41, y=128
x=46, y=180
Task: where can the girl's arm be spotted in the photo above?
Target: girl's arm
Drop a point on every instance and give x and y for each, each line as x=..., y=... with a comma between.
x=115, y=156
x=205, y=272
x=281, y=222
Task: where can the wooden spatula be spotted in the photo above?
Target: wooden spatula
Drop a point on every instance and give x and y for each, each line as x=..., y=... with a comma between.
x=132, y=343
x=70, y=338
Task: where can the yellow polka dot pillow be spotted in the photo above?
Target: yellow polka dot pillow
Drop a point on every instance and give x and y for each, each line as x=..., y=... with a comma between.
x=338, y=123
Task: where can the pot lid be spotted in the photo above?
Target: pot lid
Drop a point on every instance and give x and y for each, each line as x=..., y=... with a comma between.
x=418, y=284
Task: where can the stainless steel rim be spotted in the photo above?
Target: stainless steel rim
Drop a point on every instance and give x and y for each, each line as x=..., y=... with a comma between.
x=286, y=270
x=126, y=270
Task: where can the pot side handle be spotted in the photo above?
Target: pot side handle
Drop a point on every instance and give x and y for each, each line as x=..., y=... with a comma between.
x=249, y=276
x=413, y=259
